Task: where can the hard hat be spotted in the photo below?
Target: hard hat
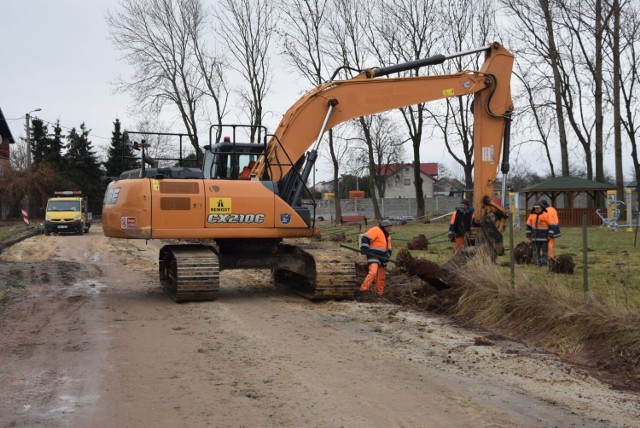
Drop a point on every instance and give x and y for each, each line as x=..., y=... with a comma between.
x=385, y=223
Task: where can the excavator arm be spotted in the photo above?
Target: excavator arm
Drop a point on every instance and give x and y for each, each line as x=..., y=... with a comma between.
x=332, y=103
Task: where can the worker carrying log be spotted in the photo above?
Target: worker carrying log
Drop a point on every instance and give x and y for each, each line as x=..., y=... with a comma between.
x=376, y=245
x=461, y=221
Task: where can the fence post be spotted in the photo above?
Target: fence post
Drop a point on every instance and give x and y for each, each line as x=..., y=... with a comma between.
x=512, y=256
x=585, y=268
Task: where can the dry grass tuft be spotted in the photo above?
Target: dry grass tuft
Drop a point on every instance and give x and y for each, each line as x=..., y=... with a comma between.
x=4, y=296
x=547, y=313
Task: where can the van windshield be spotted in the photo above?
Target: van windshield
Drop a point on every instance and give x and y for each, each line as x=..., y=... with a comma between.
x=63, y=206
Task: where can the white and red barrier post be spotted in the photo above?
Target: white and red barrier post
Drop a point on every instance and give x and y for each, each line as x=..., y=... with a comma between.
x=25, y=217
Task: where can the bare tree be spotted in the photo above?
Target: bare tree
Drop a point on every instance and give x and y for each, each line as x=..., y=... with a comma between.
x=630, y=80
x=350, y=51
x=535, y=115
x=470, y=24
x=584, y=21
x=248, y=27
x=382, y=145
x=534, y=26
x=303, y=37
x=622, y=39
x=401, y=31
x=161, y=40
x=212, y=66
x=614, y=32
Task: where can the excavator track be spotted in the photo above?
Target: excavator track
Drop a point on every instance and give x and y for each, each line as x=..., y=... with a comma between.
x=189, y=272
x=327, y=274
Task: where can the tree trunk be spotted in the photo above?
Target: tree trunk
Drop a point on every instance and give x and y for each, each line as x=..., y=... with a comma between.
x=372, y=167
x=617, y=117
x=599, y=143
x=417, y=176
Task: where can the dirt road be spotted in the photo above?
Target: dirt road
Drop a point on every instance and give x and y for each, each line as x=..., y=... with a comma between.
x=87, y=338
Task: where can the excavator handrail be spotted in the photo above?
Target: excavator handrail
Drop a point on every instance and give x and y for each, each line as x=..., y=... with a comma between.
x=125, y=140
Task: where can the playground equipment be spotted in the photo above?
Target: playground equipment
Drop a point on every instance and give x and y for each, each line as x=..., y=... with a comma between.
x=612, y=218
x=610, y=222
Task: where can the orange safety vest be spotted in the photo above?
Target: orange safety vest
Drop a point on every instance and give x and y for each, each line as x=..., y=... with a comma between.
x=538, y=226
x=554, y=223
x=376, y=245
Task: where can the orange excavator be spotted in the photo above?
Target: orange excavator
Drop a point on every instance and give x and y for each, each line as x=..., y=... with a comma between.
x=238, y=210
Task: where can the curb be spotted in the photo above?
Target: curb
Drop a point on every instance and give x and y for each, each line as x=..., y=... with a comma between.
x=14, y=239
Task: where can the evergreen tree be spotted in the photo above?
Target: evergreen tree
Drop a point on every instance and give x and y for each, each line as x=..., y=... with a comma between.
x=47, y=148
x=39, y=141
x=83, y=168
x=53, y=151
x=114, y=164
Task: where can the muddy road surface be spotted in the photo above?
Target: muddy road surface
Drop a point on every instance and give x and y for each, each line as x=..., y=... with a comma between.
x=89, y=339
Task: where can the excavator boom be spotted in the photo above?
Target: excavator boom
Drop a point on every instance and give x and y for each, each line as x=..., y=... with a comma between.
x=366, y=95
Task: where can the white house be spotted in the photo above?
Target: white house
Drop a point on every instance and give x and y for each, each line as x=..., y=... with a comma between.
x=400, y=179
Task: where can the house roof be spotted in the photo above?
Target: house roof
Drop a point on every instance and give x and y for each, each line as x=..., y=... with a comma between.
x=427, y=168
x=5, y=132
x=568, y=184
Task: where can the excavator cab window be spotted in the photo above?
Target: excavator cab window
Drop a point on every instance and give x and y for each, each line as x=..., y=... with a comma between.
x=228, y=161
x=234, y=151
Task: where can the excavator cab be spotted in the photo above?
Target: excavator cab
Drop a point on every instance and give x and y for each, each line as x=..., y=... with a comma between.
x=232, y=158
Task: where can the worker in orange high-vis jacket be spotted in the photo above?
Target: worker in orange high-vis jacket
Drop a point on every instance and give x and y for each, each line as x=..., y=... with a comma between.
x=554, y=225
x=376, y=245
x=460, y=224
x=538, y=232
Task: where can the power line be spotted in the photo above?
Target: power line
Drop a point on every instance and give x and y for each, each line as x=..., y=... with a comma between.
x=61, y=126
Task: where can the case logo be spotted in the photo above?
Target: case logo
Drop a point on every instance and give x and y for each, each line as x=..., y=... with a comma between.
x=285, y=218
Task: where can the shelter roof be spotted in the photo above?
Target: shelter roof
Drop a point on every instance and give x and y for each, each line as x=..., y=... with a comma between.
x=568, y=184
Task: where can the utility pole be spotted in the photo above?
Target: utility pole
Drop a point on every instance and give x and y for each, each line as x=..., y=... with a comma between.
x=28, y=141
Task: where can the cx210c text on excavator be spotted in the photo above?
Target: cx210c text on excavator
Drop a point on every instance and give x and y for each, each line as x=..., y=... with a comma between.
x=236, y=212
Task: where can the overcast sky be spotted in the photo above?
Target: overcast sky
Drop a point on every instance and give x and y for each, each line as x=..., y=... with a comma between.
x=57, y=56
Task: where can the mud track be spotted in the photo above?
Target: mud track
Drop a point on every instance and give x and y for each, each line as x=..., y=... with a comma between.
x=88, y=338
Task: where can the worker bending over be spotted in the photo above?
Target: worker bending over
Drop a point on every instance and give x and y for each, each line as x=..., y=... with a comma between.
x=376, y=245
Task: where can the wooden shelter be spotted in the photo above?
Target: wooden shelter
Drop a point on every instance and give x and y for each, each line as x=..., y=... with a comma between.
x=571, y=187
